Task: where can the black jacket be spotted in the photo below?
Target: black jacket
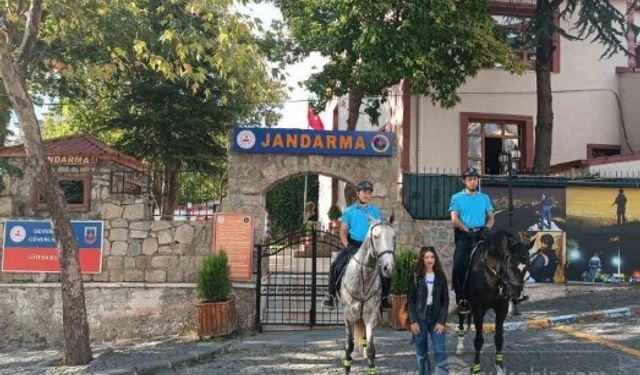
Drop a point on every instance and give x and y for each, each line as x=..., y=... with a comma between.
x=417, y=299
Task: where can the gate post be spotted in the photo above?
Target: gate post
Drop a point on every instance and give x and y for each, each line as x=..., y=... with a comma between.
x=314, y=274
x=258, y=319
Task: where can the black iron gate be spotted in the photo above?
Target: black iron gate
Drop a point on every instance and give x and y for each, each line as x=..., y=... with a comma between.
x=292, y=277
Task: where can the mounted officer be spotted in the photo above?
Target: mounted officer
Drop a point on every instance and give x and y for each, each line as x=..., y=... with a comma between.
x=472, y=216
x=354, y=228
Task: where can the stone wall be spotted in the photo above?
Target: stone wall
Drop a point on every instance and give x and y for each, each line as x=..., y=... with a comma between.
x=31, y=314
x=138, y=250
x=16, y=199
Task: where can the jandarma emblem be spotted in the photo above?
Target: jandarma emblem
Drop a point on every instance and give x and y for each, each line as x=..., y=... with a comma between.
x=380, y=143
x=246, y=139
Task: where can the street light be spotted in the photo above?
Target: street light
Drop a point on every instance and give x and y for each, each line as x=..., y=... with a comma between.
x=509, y=165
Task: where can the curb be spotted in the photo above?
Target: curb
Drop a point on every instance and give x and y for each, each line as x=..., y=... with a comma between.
x=560, y=320
x=171, y=362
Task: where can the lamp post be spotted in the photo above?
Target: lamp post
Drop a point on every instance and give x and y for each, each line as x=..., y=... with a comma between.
x=507, y=160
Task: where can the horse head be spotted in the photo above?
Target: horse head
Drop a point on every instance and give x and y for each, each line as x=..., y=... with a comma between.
x=381, y=242
x=511, y=258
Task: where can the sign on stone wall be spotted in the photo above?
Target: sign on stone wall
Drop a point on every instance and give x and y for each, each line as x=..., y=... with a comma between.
x=29, y=246
x=234, y=234
x=72, y=160
x=305, y=142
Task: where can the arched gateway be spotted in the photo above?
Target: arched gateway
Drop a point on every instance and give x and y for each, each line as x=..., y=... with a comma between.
x=252, y=173
x=292, y=276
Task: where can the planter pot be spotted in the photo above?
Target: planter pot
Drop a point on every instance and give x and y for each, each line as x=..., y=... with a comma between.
x=216, y=318
x=399, y=312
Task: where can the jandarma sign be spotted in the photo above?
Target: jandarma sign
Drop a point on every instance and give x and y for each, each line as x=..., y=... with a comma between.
x=297, y=141
x=72, y=160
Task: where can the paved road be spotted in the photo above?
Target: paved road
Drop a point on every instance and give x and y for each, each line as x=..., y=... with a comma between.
x=604, y=348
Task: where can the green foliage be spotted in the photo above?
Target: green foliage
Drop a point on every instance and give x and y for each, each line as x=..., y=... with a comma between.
x=201, y=188
x=285, y=203
x=214, y=284
x=405, y=266
x=8, y=170
x=334, y=213
x=162, y=80
x=373, y=45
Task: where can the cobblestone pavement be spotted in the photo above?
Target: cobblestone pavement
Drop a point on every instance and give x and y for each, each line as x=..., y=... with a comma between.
x=610, y=348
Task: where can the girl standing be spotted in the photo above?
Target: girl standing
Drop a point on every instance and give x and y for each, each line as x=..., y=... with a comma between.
x=428, y=301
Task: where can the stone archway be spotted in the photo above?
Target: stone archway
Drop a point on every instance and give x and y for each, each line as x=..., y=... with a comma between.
x=251, y=176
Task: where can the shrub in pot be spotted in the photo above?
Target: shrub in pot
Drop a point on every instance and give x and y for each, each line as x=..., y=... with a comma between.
x=216, y=314
x=405, y=265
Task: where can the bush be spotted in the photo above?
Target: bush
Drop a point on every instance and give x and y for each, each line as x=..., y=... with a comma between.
x=334, y=213
x=214, y=284
x=405, y=266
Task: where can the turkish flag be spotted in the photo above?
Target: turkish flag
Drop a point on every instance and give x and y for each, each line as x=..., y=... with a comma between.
x=314, y=120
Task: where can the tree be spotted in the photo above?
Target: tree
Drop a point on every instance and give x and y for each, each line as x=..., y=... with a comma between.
x=5, y=116
x=163, y=80
x=374, y=45
x=285, y=203
x=599, y=20
x=17, y=51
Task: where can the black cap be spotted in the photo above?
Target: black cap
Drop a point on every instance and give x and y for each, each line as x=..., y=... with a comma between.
x=364, y=185
x=470, y=172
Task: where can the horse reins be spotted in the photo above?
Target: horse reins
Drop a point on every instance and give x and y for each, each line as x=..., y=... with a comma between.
x=375, y=265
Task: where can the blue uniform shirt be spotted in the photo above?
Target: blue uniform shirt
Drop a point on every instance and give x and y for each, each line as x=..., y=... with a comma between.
x=357, y=218
x=471, y=208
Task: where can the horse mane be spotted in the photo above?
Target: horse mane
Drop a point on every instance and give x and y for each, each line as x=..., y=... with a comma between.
x=498, y=242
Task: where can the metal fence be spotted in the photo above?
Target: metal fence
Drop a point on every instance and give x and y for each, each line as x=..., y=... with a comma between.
x=426, y=196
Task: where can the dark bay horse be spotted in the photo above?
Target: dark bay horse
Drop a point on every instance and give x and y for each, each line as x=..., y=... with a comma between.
x=495, y=278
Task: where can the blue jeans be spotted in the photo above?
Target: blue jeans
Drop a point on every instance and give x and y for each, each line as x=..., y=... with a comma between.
x=439, y=350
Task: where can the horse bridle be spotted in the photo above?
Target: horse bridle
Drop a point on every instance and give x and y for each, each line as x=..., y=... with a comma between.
x=499, y=277
x=377, y=254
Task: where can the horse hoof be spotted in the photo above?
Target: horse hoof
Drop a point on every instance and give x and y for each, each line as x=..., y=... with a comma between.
x=500, y=370
x=475, y=369
x=499, y=359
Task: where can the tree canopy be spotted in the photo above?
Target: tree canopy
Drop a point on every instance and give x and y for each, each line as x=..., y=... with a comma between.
x=374, y=45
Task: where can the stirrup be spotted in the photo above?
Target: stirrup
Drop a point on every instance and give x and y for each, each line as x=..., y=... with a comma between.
x=328, y=301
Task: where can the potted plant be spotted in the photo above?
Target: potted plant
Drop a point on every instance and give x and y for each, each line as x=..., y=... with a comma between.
x=334, y=215
x=307, y=236
x=216, y=314
x=405, y=265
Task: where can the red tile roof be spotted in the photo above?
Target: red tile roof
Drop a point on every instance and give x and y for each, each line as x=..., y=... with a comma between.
x=79, y=144
x=584, y=163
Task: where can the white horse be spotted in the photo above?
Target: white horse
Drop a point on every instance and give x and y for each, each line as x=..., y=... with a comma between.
x=361, y=289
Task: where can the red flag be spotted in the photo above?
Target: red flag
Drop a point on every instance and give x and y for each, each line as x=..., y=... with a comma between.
x=314, y=120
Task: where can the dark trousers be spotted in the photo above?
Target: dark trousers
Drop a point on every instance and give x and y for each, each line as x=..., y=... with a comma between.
x=337, y=268
x=622, y=219
x=464, y=245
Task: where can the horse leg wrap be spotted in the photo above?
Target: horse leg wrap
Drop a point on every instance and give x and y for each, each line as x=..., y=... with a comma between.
x=475, y=369
x=499, y=359
x=461, y=333
x=372, y=371
x=347, y=363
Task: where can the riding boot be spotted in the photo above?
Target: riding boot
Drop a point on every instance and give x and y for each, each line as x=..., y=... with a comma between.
x=386, y=289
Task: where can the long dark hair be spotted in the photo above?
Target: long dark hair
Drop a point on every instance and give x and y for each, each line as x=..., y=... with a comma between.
x=437, y=267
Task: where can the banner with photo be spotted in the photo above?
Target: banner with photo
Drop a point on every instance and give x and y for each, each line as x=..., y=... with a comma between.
x=603, y=230
x=534, y=209
x=547, y=257
x=600, y=225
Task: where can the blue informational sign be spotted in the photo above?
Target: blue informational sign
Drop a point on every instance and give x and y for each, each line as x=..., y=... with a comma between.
x=305, y=142
x=29, y=246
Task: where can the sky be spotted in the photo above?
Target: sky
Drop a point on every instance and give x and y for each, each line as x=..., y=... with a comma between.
x=294, y=113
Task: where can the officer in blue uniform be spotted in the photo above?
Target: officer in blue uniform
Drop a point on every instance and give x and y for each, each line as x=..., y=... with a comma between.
x=354, y=228
x=471, y=215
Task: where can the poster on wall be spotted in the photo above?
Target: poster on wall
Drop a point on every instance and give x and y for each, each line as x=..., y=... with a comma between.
x=547, y=257
x=233, y=233
x=534, y=209
x=29, y=246
x=603, y=230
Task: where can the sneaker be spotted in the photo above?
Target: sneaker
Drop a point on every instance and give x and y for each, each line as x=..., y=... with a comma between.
x=327, y=301
x=385, y=304
x=523, y=298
